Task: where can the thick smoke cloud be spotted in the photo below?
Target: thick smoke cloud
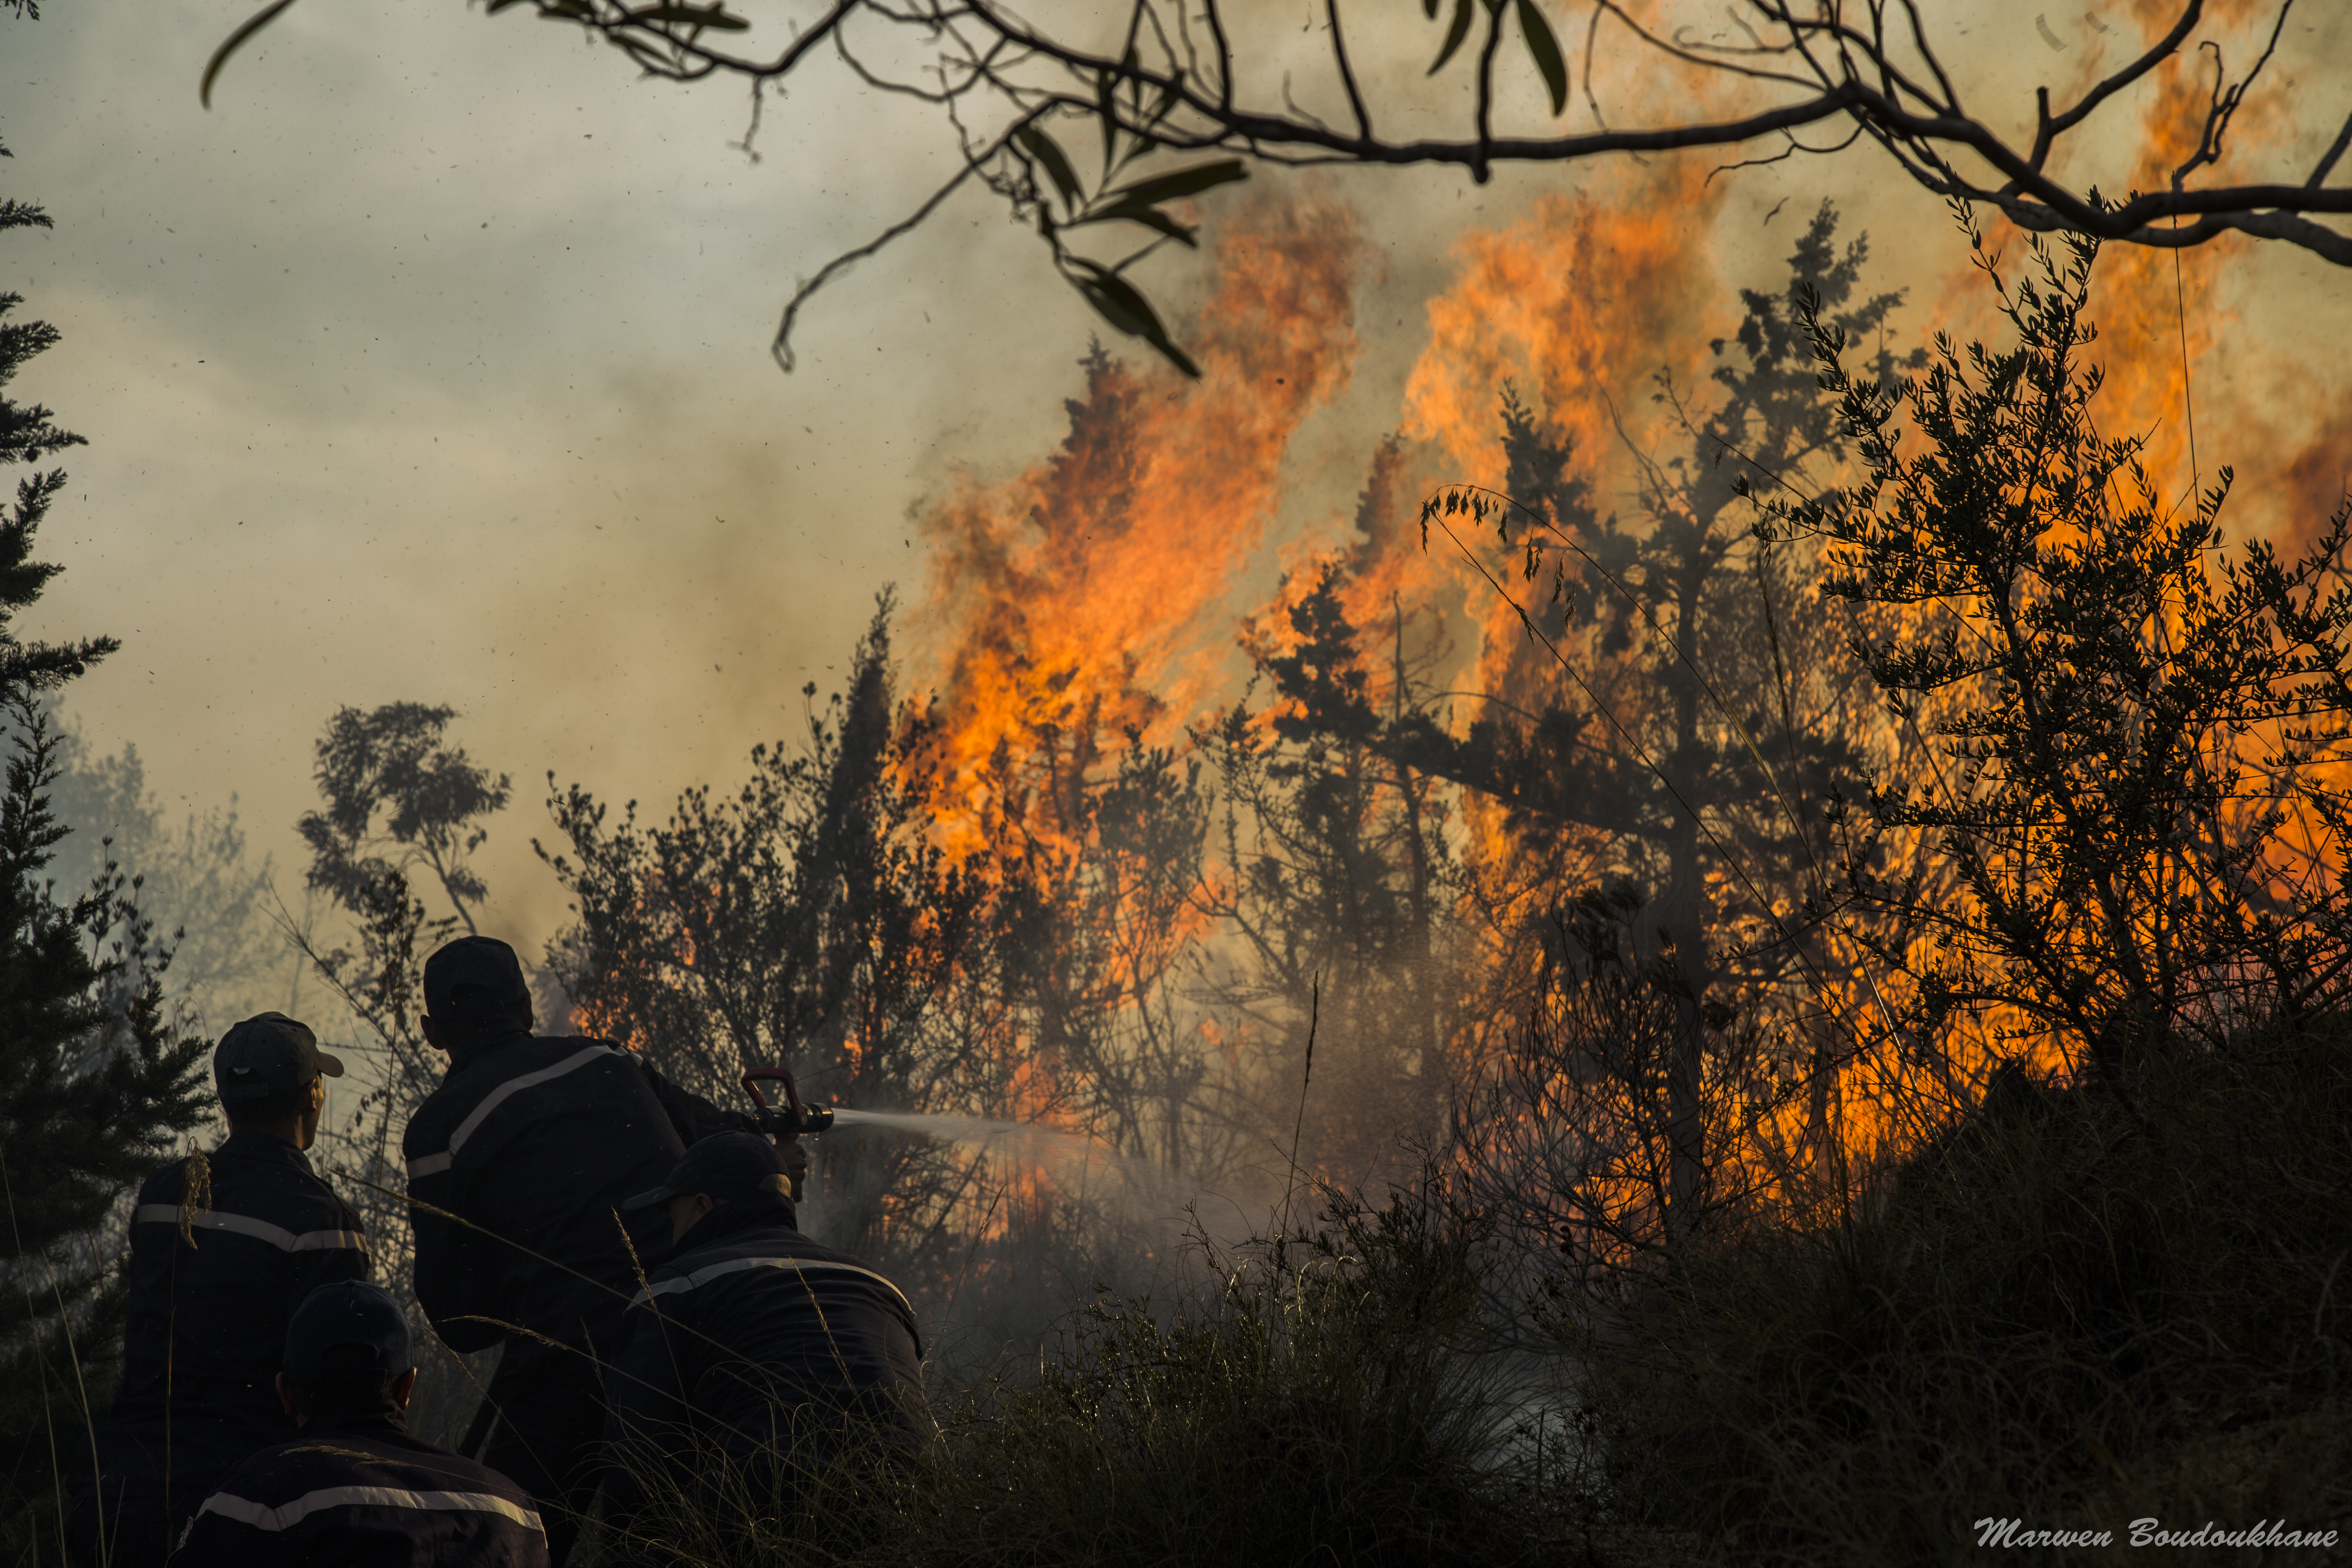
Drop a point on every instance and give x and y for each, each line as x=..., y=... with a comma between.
x=432, y=365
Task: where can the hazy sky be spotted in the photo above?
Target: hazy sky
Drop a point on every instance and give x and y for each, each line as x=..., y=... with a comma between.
x=432, y=363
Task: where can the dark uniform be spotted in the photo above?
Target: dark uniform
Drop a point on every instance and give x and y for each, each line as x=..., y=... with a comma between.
x=355, y=1489
x=751, y=1344
x=363, y=1493
x=220, y=1257
x=534, y=1142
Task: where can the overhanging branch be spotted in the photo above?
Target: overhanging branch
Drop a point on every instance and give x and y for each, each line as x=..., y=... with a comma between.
x=1168, y=95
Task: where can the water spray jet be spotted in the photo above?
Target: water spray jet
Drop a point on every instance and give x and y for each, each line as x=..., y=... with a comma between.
x=1064, y=1152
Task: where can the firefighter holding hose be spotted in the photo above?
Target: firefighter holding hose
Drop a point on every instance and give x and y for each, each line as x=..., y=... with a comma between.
x=516, y=1166
x=756, y=1364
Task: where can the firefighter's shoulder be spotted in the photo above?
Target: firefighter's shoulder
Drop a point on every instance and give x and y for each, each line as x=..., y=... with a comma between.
x=257, y=1187
x=770, y=1257
x=305, y=1500
x=491, y=1082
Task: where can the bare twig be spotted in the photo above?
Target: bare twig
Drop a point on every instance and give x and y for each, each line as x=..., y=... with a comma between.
x=1347, y=75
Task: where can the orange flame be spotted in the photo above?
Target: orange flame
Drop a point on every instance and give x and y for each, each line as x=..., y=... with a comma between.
x=1079, y=600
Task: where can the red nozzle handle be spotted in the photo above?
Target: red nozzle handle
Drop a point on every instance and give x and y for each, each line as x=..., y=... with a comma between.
x=752, y=1076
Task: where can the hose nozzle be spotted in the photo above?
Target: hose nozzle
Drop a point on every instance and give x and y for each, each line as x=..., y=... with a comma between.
x=792, y=1119
x=775, y=1121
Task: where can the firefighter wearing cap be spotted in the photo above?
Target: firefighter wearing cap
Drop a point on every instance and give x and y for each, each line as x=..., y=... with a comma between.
x=754, y=1358
x=517, y=1165
x=354, y=1488
x=224, y=1247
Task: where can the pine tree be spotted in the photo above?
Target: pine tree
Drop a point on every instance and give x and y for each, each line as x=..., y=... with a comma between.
x=93, y=1083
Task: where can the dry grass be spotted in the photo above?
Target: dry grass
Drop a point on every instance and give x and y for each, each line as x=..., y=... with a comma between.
x=1332, y=1398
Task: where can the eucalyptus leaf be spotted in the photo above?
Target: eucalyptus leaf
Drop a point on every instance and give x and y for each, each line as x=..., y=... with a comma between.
x=1107, y=110
x=1455, y=32
x=1043, y=148
x=1129, y=309
x=1182, y=183
x=1119, y=302
x=1546, y=50
x=1150, y=217
x=692, y=16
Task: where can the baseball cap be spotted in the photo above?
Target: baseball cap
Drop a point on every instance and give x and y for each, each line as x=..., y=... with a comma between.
x=267, y=1055
x=349, y=1332
x=472, y=977
x=728, y=1166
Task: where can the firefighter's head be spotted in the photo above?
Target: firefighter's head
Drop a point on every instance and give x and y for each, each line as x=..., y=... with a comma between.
x=271, y=1078
x=474, y=991
x=349, y=1353
x=725, y=1168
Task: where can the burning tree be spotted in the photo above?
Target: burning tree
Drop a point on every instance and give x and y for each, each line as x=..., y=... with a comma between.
x=1714, y=707
x=988, y=903
x=1336, y=964
x=807, y=921
x=995, y=951
x=1098, y=850
x=2131, y=741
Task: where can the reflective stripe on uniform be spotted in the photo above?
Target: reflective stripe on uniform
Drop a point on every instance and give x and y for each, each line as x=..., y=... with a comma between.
x=246, y=1224
x=285, y=1516
x=736, y=1265
x=434, y=1164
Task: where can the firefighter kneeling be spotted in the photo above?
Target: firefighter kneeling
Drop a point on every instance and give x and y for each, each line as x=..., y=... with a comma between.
x=355, y=1489
x=756, y=1361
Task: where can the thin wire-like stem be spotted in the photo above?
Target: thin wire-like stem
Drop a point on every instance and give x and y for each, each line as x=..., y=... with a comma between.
x=1305, y=1079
